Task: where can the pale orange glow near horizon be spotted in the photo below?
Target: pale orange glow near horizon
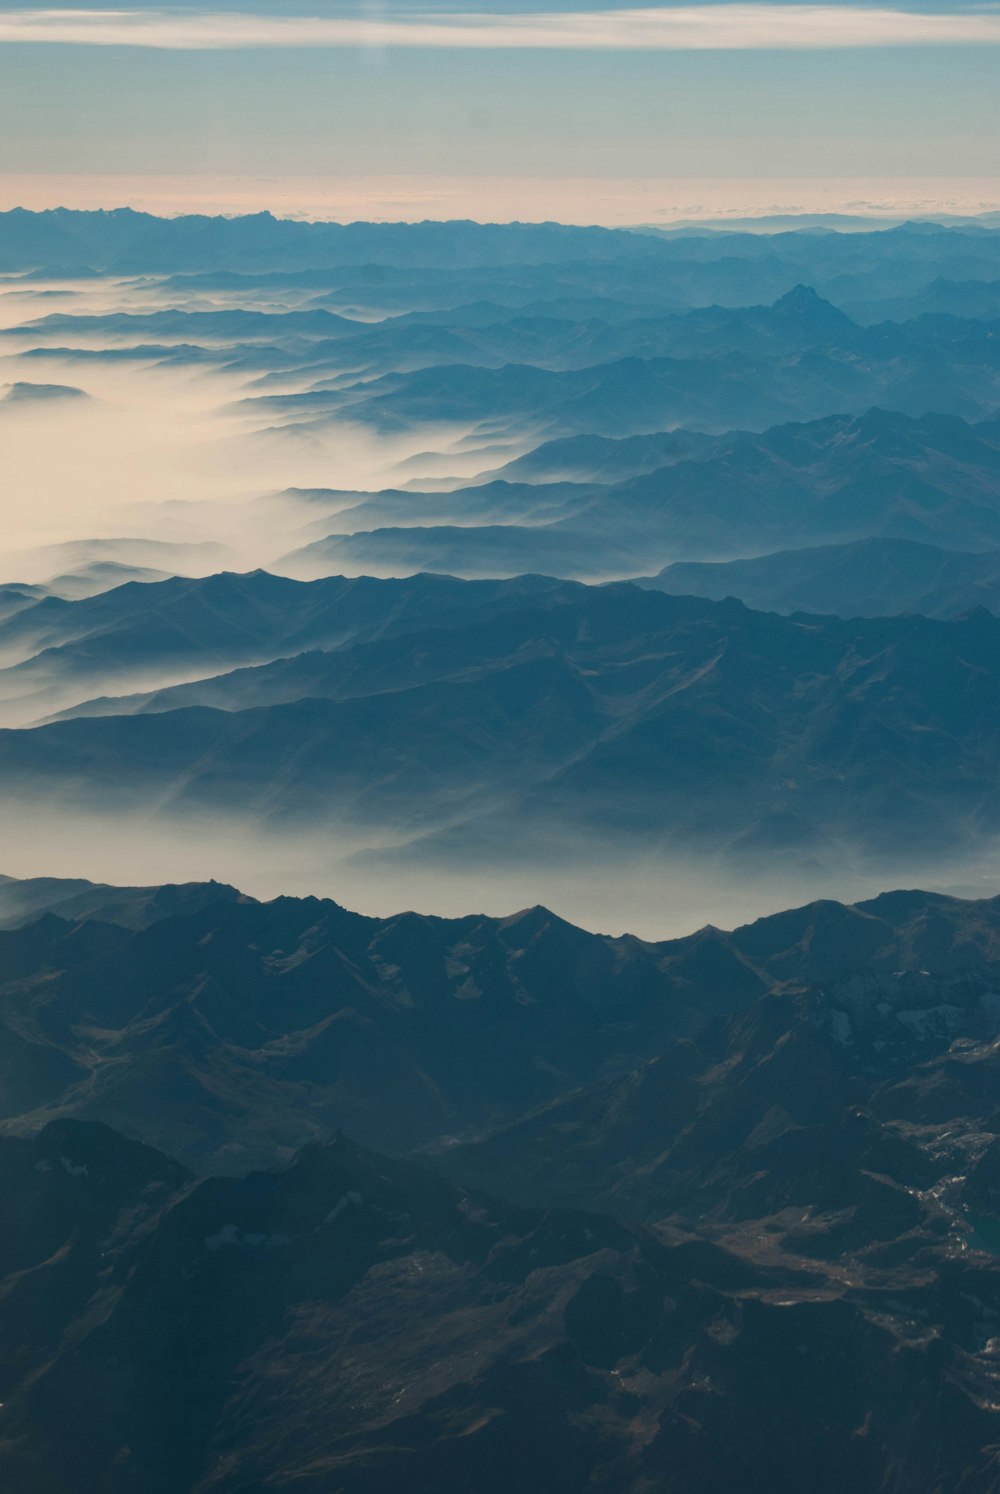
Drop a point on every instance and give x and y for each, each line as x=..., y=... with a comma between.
x=603, y=200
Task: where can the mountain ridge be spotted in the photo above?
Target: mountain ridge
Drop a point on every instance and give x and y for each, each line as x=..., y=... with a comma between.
x=230, y=1031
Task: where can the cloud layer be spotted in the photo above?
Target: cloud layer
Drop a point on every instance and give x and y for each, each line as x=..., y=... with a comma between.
x=739, y=27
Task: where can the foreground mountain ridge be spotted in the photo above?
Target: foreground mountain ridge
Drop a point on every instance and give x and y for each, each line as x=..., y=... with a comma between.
x=790, y=1208
x=229, y=1032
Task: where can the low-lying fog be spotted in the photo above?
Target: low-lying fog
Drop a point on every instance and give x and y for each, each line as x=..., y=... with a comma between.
x=153, y=451
x=592, y=884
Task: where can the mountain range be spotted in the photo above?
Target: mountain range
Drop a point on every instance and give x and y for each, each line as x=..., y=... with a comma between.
x=456, y=567
x=231, y=1031
x=225, y=250
x=934, y=480
x=354, y=1322
x=869, y=578
x=184, y=627
x=533, y=704
x=713, y=368
x=799, y=359
x=787, y=1210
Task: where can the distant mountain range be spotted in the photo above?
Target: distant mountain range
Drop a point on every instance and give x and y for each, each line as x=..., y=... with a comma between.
x=935, y=480
x=869, y=578
x=24, y=899
x=129, y=242
x=597, y=508
x=603, y=458
x=715, y=369
x=71, y=244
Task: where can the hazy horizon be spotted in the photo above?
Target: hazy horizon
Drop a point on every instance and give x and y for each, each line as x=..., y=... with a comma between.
x=611, y=202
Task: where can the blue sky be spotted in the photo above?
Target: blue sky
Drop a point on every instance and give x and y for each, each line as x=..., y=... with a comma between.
x=569, y=88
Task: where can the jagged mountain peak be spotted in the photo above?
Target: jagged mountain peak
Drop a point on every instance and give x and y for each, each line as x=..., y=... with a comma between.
x=805, y=301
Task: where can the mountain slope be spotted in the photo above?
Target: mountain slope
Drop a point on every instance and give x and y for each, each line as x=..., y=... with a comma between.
x=238, y=1030
x=230, y=1032
x=24, y=899
x=356, y=1323
x=621, y=712
x=59, y=650
x=869, y=578
x=865, y=1102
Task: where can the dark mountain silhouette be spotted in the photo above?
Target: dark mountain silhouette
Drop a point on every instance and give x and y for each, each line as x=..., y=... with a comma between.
x=230, y=1031
x=64, y=647
x=810, y=1098
x=788, y=1211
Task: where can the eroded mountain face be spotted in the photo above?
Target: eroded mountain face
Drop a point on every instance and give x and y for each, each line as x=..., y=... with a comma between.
x=231, y=1032
x=788, y=1209
x=358, y=1323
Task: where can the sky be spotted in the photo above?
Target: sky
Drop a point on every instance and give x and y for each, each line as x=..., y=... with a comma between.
x=600, y=110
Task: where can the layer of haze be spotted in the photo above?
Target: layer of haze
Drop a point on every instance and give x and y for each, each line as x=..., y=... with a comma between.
x=589, y=884
x=156, y=451
x=613, y=201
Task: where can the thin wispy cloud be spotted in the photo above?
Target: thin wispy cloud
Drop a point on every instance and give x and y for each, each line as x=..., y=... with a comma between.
x=749, y=27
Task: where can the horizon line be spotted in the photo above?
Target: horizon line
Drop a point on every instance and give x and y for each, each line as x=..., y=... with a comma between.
x=724, y=26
